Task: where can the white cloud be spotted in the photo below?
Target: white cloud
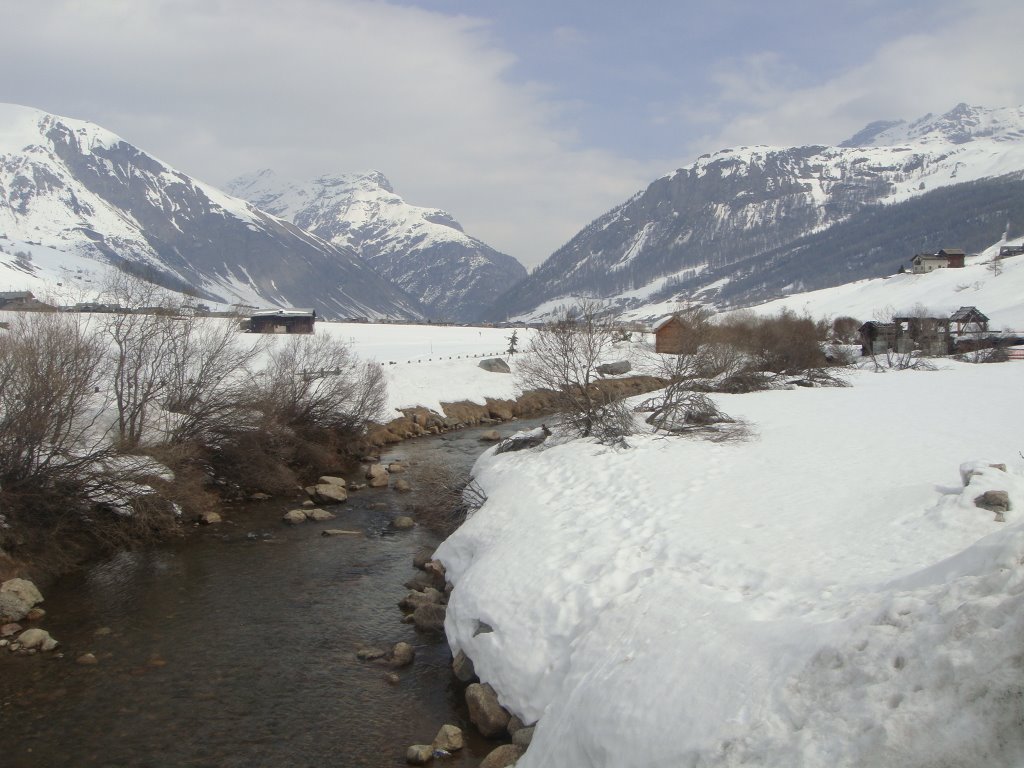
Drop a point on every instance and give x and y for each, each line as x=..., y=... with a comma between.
x=970, y=58
x=221, y=87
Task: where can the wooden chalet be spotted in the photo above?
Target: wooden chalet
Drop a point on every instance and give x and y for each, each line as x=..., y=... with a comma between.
x=670, y=336
x=954, y=257
x=282, y=321
x=1006, y=251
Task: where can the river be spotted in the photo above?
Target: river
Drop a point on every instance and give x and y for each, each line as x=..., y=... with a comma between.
x=235, y=646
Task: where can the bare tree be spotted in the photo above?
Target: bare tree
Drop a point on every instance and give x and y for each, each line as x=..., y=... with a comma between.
x=139, y=333
x=562, y=357
x=50, y=414
x=316, y=381
x=207, y=366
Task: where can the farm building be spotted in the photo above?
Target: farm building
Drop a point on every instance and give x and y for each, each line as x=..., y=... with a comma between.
x=282, y=321
x=671, y=336
x=968, y=320
x=19, y=300
x=876, y=338
x=967, y=328
x=947, y=258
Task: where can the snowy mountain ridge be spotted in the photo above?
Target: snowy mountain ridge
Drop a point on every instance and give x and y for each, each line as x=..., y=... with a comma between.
x=422, y=250
x=73, y=188
x=748, y=224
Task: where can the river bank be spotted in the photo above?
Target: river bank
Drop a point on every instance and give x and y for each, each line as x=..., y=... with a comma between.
x=420, y=420
x=237, y=645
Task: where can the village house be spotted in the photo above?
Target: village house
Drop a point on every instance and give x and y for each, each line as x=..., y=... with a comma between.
x=1006, y=251
x=282, y=321
x=15, y=300
x=947, y=258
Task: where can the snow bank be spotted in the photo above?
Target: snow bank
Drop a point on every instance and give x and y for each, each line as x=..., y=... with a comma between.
x=825, y=594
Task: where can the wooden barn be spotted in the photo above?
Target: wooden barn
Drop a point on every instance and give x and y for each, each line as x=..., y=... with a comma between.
x=670, y=336
x=282, y=321
x=877, y=338
x=954, y=257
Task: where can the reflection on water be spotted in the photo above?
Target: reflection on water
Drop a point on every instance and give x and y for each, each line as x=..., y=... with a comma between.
x=236, y=647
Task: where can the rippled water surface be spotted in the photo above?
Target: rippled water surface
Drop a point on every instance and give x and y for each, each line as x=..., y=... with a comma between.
x=236, y=647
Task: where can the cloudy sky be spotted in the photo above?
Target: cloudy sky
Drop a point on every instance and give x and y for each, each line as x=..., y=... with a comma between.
x=526, y=119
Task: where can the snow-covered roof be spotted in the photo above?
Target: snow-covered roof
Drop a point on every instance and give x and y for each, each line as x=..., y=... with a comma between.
x=284, y=313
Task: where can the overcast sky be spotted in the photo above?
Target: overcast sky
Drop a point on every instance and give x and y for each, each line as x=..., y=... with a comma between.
x=526, y=119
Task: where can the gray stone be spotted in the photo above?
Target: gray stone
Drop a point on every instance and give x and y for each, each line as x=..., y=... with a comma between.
x=993, y=501
x=260, y=496
x=490, y=718
x=423, y=556
x=7, y=630
x=419, y=754
x=490, y=436
x=523, y=737
x=294, y=516
x=402, y=485
x=329, y=493
x=87, y=660
x=36, y=638
x=339, y=532
x=614, y=369
x=370, y=654
x=402, y=655
x=429, y=618
x=331, y=480
x=403, y=523
x=503, y=756
x=210, y=518
x=414, y=600
x=319, y=515
x=495, y=365
x=376, y=470
x=462, y=668
x=396, y=468
x=515, y=724
x=17, y=598
x=449, y=738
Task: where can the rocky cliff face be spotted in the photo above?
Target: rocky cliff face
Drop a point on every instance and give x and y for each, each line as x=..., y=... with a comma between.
x=422, y=250
x=72, y=187
x=753, y=223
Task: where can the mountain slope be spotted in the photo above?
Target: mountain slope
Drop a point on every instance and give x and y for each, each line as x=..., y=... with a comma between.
x=748, y=224
x=68, y=186
x=422, y=250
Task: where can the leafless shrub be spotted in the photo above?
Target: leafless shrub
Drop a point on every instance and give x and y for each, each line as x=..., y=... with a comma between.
x=203, y=396
x=50, y=414
x=316, y=381
x=445, y=496
x=562, y=358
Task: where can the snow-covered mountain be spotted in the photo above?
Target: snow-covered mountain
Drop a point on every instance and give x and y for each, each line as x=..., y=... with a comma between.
x=75, y=196
x=749, y=224
x=422, y=250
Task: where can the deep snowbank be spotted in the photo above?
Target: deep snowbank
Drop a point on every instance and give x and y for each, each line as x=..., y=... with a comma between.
x=825, y=594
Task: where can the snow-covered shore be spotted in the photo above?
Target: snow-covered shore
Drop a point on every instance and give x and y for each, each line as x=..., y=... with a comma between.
x=823, y=594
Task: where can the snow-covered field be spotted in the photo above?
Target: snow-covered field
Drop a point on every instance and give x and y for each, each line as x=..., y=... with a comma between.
x=430, y=364
x=823, y=594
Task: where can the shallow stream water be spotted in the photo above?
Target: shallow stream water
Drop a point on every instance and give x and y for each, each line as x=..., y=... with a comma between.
x=235, y=646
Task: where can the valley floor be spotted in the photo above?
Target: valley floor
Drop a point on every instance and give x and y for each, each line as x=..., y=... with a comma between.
x=824, y=593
